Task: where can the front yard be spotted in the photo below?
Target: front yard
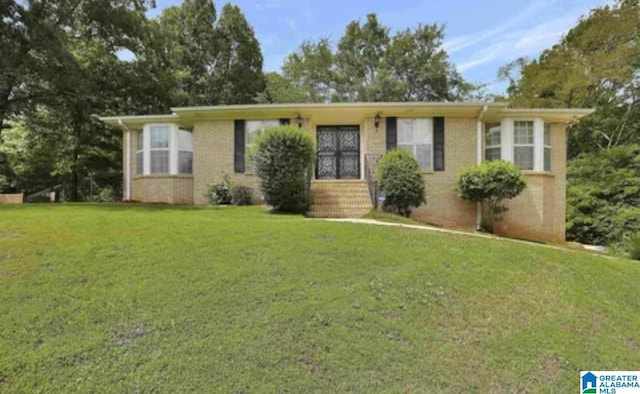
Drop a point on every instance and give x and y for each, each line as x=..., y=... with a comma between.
x=126, y=298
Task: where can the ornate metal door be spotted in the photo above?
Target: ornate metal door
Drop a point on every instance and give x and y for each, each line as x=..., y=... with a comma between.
x=338, y=152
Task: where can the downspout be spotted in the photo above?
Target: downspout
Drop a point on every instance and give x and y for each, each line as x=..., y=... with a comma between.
x=479, y=161
x=127, y=162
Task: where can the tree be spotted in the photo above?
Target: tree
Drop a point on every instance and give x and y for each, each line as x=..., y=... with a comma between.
x=190, y=41
x=595, y=65
x=312, y=69
x=280, y=90
x=238, y=71
x=400, y=180
x=603, y=196
x=491, y=183
x=371, y=65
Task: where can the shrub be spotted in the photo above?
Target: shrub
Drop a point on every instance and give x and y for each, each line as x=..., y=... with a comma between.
x=491, y=183
x=603, y=196
x=220, y=193
x=632, y=246
x=242, y=195
x=283, y=157
x=401, y=182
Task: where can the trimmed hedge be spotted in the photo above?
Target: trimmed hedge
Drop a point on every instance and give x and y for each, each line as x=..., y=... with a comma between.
x=400, y=180
x=283, y=156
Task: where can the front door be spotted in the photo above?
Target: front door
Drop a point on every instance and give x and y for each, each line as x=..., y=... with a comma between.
x=338, y=152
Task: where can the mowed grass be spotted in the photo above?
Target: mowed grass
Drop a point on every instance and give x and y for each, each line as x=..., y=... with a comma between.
x=126, y=298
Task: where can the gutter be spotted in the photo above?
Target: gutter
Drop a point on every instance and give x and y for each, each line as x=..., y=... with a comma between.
x=479, y=160
x=127, y=161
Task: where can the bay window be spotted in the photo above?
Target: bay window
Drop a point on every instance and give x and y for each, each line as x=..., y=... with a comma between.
x=493, y=144
x=159, y=149
x=140, y=152
x=416, y=136
x=164, y=149
x=524, y=142
x=523, y=147
x=547, y=147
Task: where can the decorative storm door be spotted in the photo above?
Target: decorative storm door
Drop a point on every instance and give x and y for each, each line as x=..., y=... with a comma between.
x=338, y=152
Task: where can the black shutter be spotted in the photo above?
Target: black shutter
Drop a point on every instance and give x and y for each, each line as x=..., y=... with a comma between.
x=438, y=143
x=238, y=146
x=285, y=121
x=392, y=133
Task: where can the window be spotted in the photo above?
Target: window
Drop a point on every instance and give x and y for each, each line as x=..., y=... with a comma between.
x=139, y=152
x=159, y=149
x=253, y=129
x=492, y=149
x=523, y=144
x=547, y=147
x=185, y=152
x=416, y=136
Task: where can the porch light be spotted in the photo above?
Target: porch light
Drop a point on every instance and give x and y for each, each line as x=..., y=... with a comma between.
x=299, y=121
x=376, y=121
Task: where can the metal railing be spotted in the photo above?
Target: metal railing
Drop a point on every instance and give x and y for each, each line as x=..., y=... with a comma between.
x=370, y=162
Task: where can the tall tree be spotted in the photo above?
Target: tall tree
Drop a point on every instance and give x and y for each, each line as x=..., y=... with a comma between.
x=238, y=71
x=190, y=42
x=312, y=69
x=371, y=65
x=595, y=65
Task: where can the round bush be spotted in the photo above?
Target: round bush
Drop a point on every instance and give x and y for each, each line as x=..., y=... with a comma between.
x=492, y=183
x=220, y=193
x=283, y=157
x=401, y=181
x=242, y=195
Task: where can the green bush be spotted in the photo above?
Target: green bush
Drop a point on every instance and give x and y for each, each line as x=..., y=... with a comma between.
x=401, y=181
x=632, y=246
x=491, y=183
x=603, y=196
x=242, y=195
x=283, y=157
x=220, y=193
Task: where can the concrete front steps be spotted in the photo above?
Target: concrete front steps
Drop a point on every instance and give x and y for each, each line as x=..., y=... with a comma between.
x=339, y=199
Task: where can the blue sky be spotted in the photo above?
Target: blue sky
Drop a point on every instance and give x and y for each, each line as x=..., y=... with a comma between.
x=480, y=36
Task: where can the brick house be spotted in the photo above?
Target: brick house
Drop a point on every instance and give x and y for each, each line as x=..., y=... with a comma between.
x=174, y=158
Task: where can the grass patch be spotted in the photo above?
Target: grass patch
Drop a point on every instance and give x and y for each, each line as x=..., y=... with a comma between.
x=390, y=217
x=126, y=298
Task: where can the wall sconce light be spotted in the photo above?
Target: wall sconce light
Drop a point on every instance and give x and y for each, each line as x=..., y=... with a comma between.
x=299, y=121
x=376, y=121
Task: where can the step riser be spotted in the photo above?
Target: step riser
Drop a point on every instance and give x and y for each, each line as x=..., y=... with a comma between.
x=339, y=199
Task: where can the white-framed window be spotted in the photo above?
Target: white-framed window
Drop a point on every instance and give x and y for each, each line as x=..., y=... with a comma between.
x=159, y=149
x=140, y=152
x=523, y=144
x=416, y=136
x=493, y=143
x=253, y=128
x=185, y=151
x=547, y=147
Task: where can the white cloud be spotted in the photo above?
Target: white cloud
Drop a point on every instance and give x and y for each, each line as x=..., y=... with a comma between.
x=525, y=42
x=458, y=43
x=270, y=4
x=291, y=22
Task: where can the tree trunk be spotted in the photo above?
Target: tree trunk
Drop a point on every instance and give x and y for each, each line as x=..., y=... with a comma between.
x=74, y=176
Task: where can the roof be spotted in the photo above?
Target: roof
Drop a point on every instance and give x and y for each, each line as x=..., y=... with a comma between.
x=347, y=112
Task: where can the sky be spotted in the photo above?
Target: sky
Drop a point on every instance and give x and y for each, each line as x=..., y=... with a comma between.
x=480, y=36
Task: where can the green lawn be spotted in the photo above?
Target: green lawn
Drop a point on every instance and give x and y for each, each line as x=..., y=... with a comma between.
x=125, y=298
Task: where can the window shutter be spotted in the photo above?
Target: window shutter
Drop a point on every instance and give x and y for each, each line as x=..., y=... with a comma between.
x=438, y=143
x=285, y=121
x=239, y=146
x=392, y=133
